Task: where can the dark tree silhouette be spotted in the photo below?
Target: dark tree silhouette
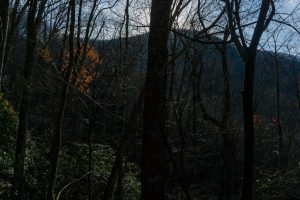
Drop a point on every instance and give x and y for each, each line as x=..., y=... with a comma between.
x=4, y=21
x=56, y=141
x=155, y=103
x=34, y=19
x=248, y=54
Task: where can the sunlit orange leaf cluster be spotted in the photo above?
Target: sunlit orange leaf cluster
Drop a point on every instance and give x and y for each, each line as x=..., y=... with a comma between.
x=88, y=60
x=256, y=119
x=85, y=65
x=46, y=55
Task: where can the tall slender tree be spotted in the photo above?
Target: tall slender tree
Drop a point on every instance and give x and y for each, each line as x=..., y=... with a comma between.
x=34, y=19
x=278, y=107
x=56, y=141
x=248, y=54
x=4, y=21
x=155, y=102
x=13, y=20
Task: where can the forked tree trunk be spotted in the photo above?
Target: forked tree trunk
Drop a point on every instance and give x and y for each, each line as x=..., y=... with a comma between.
x=56, y=143
x=248, y=54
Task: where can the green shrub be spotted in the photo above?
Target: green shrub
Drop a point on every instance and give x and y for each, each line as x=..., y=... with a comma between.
x=8, y=119
x=8, y=128
x=74, y=163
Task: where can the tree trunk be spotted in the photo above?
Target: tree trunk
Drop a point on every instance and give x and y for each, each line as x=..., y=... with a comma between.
x=14, y=21
x=4, y=21
x=56, y=143
x=248, y=54
x=92, y=122
x=32, y=26
x=130, y=129
x=119, y=190
x=278, y=118
x=249, y=134
x=230, y=175
x=152, y=177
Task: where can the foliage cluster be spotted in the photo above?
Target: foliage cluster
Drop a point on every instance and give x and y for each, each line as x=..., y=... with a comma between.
x=8, y=129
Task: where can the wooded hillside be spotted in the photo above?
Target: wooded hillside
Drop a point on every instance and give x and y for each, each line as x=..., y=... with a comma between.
x=150, y=100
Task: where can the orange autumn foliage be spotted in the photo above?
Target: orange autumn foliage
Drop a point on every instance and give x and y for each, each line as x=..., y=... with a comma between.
x=256, y=119
x=88, y=60
x=84, y=70
x=46, y=55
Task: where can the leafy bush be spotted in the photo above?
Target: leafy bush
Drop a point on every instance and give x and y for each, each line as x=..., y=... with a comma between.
x=8, y=128
x=8, y=119
x=74, y=164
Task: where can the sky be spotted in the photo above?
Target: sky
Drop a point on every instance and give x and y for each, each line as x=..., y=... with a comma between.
x=139, y=14
x=291, y=3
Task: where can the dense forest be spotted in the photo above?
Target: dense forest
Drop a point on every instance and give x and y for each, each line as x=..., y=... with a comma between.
x=150, y=99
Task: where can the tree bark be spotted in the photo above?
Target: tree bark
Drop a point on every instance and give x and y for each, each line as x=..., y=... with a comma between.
x=14, y=21
x=249, y=133
x=33, y=21
x=120, y=190
x=230, y=176
x=278, y=118
x=248, y=54
x=152, y=177
x=4, y=21
x=92, y=124
x=130, y=129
